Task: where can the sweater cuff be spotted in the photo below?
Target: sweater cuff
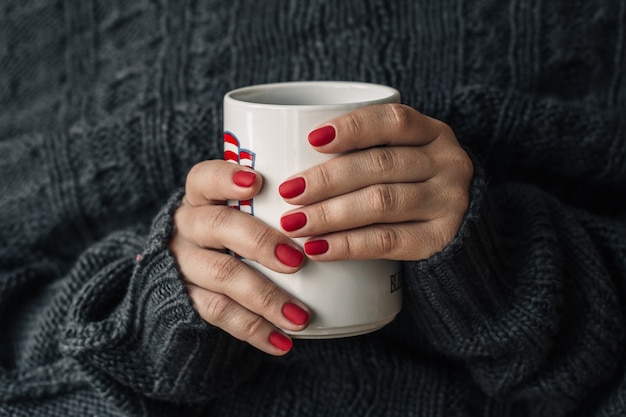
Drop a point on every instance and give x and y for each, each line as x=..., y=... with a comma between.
x=133, y=325
x=464, y=298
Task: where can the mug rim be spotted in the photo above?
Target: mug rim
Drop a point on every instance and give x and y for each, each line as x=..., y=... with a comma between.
x=380, y=93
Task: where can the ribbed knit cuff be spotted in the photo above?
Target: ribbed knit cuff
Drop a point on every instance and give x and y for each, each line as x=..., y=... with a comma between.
x=463, y=297
x=517, y=298
x=135, y=327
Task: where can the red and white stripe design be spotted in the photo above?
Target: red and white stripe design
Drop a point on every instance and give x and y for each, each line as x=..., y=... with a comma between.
x=234, y=154
x=231, y=148
x=246, y=158
x=246, y=206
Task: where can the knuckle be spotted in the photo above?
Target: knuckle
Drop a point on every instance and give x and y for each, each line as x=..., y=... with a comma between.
x=252, y=327
x=353, y=123
x=456, y=157
x=382, y=242
x=180, y=218
x=464, y=164
x=426, y=161
x=260, y=236
x=216, y=309
x=224, y=268
x=323, y=215
x=401, y=115
x=459, y=199
x=323, y=177
x=221, y=216
x=382, y=161
x=444, y=128
x=445, y=200
x=387, y=239
x=180, y=214
x=267, y=299
x=454, y=190
x=440, y=239
x=447, y=235
x=347, y=246
x=194, y=172
x=458, y=161
x=444, y=132
x=195, y=175
x=382, y=198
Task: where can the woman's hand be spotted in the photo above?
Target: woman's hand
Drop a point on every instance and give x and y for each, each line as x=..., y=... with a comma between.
x=399, y=192
x=225, y=291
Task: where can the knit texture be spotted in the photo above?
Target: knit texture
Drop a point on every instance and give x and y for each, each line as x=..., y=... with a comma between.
x=105, y=106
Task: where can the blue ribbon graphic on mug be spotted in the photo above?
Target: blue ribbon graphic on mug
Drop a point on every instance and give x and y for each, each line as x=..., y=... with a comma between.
x=235, y=154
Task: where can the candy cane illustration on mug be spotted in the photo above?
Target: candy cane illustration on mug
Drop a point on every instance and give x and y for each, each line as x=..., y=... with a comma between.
x=234, y=154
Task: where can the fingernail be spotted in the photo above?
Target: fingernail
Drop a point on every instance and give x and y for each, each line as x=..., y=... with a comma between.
x=295, y=314
x=280, y=341
x=292, y=188
x=293, y=221
x=316, y=247
x=322, y=136
x=288, y=255
x=244, y=178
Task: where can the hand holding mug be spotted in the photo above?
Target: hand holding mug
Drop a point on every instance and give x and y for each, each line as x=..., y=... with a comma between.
x=225, y=291
x=399, y=190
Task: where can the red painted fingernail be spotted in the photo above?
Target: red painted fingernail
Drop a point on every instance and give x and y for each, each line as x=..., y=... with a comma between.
x=280, y=341
x=293, y=221
x=288, y=255
x=295, y=314
x=316, y=247
x=322, y=136
x=292, y=188
x=244, y=178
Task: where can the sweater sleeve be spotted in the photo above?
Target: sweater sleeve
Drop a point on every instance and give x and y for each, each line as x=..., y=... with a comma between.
x=133, y=326
x=76, y=308
x=529, y=295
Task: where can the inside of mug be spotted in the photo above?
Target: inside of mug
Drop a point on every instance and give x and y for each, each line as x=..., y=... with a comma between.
x=312, y=93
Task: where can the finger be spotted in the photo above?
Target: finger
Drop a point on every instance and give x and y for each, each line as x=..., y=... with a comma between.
x=381, y=203
x=381, y=124
x=222, y=312
x=215, y=181
x=225, y=274
x=352, y=171
x=221, y=227
x=405, y=241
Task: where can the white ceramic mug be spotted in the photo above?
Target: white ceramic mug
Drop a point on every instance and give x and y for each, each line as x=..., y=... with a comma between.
x=266, y=128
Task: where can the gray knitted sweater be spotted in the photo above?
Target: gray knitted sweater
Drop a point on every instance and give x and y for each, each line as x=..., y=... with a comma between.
x=105, y=105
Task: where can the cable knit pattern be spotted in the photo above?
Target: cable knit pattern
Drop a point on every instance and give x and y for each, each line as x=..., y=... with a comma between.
x=105, y=106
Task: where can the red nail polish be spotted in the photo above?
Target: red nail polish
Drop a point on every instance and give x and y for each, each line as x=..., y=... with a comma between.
x=322, y=136
x=293, y=221
x=244, y=178
x=288, y=255
x=295, y=314
x=280, y=341
x=292, y=188
x=316, y=247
